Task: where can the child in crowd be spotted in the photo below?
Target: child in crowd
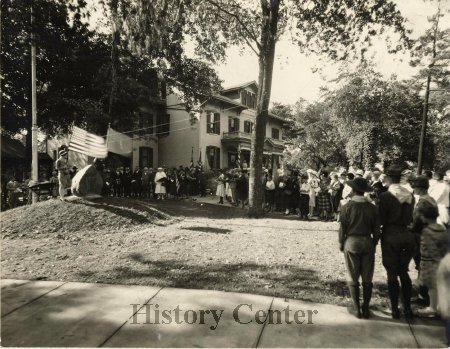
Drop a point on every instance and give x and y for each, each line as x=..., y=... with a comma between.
x=304, y=197
x=54, y=181
x=433, y=247
x=270, y=193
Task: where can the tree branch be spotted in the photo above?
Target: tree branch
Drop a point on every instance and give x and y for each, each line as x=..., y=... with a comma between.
x=242, y=24
x=245, y=38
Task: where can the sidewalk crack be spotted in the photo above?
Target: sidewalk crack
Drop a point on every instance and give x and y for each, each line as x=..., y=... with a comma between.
x=412, y=332
x=33, y=300
x=137, y=311
x=264, y=324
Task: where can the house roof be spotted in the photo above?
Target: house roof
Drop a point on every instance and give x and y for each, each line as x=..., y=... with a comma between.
x=272, y=115
x=240, y=86
x=230, y=101
x=12, y=148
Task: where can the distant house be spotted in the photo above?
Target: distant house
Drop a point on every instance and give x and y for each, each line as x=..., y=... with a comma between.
x=143, y=131
x=14, y=161
x=164, y=134
x=223, y=129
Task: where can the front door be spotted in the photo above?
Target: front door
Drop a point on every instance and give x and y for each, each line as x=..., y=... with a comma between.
x=232, y=159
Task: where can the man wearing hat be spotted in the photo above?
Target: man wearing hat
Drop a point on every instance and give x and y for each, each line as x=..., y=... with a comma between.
x=359, y=234
x=406, y=179
x=62, y=165
x=398, y=243
x=420, y=186
x=376, y=185
x=359, y=173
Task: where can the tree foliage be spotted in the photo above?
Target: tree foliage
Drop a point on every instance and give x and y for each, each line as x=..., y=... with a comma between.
x=336, y=29
x=367, y=120
x=431, y=52
x=75, y=74
x=154, y=31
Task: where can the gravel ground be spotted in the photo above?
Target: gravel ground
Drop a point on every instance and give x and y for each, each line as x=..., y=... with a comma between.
x=202, y=246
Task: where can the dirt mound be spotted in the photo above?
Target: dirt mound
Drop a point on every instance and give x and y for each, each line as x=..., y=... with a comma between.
x=104, y=214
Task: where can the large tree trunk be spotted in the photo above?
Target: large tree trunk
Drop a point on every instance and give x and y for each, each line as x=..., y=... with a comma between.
x=266, y=59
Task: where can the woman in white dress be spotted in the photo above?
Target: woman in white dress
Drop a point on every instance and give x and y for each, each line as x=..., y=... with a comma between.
x=160, y=188
x=313, y=181
x=220, y=191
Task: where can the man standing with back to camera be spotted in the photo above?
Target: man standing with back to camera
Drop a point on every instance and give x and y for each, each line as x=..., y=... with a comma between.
x=398, y=244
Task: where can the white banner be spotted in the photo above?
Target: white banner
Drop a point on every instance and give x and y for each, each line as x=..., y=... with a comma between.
x=119, y=143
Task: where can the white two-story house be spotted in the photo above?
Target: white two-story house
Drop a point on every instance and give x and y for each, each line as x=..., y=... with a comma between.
x=222, y=131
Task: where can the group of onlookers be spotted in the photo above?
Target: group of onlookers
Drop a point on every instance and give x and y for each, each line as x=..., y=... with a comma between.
x=409, y=215
x=232, y=185
x=149, y=183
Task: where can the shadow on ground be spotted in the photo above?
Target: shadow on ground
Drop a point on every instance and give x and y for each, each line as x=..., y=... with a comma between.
x=279, y=280
x=208, y=230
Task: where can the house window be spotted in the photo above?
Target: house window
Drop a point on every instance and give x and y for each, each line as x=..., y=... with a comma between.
x=248, y=126
x=244, y=97
x=233, y=124
x=213, y=156
x=145, y=157
x=275, y=133
x=213, y=123
x=163, y=127
x=251, y=100
x=145, y=123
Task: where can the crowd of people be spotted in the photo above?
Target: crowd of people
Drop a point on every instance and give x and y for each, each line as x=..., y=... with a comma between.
x=162, y=183
x=409, y=216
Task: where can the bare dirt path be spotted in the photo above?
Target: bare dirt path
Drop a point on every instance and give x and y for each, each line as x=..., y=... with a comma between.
x=206, y=246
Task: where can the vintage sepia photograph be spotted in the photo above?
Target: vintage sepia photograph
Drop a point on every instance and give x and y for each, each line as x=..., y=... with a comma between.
x=225, y=173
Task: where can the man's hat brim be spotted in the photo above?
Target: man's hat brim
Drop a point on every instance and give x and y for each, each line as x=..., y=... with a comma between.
x=360, y=186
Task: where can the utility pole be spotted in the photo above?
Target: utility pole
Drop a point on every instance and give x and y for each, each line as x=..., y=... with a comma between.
x=423, y=132
x=34, y=129
x=424, y=126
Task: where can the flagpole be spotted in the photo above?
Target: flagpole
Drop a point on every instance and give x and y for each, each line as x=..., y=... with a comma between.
x=34, y=129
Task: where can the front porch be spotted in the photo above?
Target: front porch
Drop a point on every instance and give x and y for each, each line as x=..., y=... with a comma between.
x=237, y=141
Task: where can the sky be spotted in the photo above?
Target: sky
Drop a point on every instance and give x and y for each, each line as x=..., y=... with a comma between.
x=293, y=75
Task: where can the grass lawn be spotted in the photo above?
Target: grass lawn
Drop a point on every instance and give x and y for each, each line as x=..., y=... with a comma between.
x=201, y=246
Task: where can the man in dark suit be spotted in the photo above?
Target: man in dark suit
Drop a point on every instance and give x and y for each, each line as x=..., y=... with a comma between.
x=398, y=244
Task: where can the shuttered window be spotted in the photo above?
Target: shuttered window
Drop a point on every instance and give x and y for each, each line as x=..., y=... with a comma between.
x=213, y=123
x=213, y=156
x=248, y=126
x=233, y=124
x=275, y=133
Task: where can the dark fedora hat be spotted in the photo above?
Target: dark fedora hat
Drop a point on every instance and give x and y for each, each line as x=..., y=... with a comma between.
x=421, y=182
x=359, y=184
x=394, y=171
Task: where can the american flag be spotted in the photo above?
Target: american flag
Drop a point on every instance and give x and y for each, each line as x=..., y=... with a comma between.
x=87, y=143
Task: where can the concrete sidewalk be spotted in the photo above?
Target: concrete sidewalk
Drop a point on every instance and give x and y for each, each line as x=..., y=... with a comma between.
x=51, y=313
